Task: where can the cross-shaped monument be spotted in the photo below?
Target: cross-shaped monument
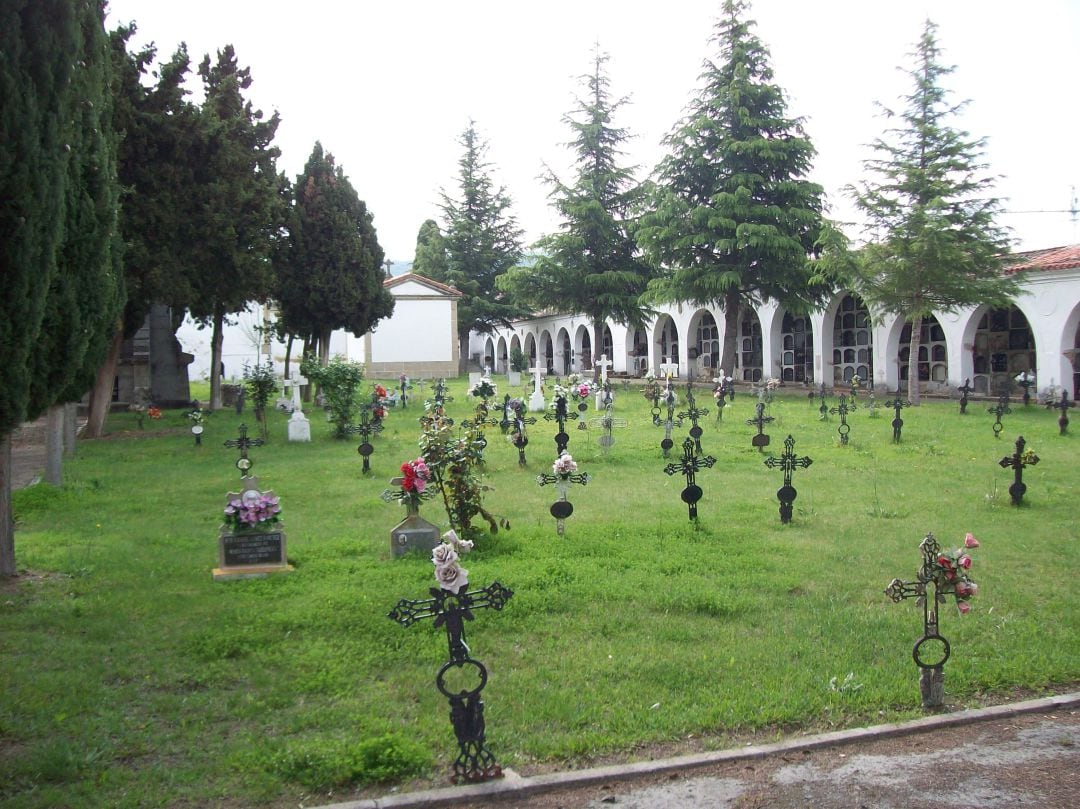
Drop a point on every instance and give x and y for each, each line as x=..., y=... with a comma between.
x=761, y=440
x=562, y=508
x=823, y=409
x=842, y=410
x=1017, y=461
x=788, y=463
x=365, y=429
x=243, y=443
x=299, y=426
x=520, y=436
x=603, y=364
x=474, y=762
x=607, y=423
x=897, y=403
x=561, y=415
x=999, y=410
x=536, y=398
x=1063, y=404
x=688, y=466
x=669, y=398
x=1027, y=382
x=693, y=412
x=965, y=390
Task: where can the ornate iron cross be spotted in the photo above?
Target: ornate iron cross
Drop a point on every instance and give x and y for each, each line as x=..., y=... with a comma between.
x=824, y=408
x=693, y=412
x=721, y=401
x=897, y=404
x=688, y=466
x=1027, y=383
x=562, y=508
x=520, y=436
x=607, y=423
x=999, y=410
x=1017, y=461
x=561, y=415
x=243, y=443
x=761, y=440
x=842, y=410
x=672, y=420
x=932, y=677
x=788, y=463
x=965, y=389
x=365, y=429
x=1063, y=404
x=474, y=761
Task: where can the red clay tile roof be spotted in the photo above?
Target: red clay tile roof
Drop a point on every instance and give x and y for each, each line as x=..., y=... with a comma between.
x=422, y=280
x=1054, y=258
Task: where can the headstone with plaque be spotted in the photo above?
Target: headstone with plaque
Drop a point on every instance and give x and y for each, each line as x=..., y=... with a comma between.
x=251, y=552
x=299, y=426
x=414, y=533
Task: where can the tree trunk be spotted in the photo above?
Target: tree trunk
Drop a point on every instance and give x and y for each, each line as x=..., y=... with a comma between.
x=101, y=393
x=324, y=346
x=308, y=389
x=71, y=412
x=215, y=358
x=913, y=361
x=54, y=445
x=463, y=352
x=7, y=523
x=732, y=304
x=288, y=355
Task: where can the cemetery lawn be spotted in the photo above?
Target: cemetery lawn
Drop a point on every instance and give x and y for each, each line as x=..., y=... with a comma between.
x=129, y=678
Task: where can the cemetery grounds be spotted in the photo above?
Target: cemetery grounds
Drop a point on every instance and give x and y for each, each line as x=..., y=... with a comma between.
x=130, y=678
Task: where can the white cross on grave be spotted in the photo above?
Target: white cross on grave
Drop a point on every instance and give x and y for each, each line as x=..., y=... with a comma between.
x=299, y=427
x=603, y=364
x=537, y=403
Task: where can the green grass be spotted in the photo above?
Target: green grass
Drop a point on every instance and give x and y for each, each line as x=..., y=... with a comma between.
x=130, y=678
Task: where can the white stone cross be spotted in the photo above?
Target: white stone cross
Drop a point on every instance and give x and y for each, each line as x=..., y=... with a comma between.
x=299, y=427
x=297, y=382
x=536, y=400
x=603, y=364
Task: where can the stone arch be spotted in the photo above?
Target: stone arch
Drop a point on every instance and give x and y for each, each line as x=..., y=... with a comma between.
x=793, y=341
x=705, y=344
x=502, y=356
x=530, y=349
x=852, y=339
x=1070, y=350
x=488, y=360
x=607, y=342
x=583, y=348
x=563, y=360
x=749, y=347
x=933, y=363
x=1002, y=345
x=547, y=351
x=665, y=345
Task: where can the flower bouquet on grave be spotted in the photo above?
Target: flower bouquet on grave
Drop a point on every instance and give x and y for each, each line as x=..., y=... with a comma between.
x=379, y=396
x=449, y=573
x=564, y=466
x=252, y=511
x=415, y=476
x=580, y=390
x=950, y=571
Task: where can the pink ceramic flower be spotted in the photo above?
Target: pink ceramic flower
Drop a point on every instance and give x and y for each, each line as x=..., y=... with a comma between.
x=452, y=577
x=970, y=541
x=964, y=607
x=443, y=555
x=964, y=562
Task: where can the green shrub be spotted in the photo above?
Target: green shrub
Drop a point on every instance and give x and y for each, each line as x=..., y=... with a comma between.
x=324, y=763
x=340, y=382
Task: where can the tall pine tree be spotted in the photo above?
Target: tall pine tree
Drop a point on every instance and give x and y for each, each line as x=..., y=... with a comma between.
x=333, y=278
x=934, y=242
x=592, y=264
x=483, y=241
x=239, y=212
x=731, y=218
x=430, y=258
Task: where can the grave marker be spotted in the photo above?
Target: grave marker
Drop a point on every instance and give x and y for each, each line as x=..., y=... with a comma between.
x=1027, y=382
x=824, y=408
x=965, y=390
x=844, y=428
x=1063, y=404
x=607, y=423
x=671, y=422
x=474, y=762
x=561, y=415
x=1017, y=461
x=603, y=364
x=365, y=429
x=243, y=443
x=299, y=428
x=520, y=437
x=788, y=463
x=897, y=404
x=536, y=399
x=693, y=412
x=999, y=410
x=564, y=473
x=413, y=532
x=688, y=466
x=251, y=550
x=761, y=440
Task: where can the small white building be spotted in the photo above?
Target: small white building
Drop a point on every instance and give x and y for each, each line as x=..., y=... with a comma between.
x=420, y=339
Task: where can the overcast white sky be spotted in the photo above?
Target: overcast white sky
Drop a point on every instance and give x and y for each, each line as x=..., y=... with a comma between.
x=389, y=87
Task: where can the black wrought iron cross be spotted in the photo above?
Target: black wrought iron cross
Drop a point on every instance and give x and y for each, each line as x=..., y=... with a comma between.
x=607, y=423
x=561, y=415
x=824, y=408
x=1017, y=461
x=761, y=440
x=365, y=429
x=474, y=761
x=520, y=436
x=897, y=404
x=672, y=420
x=931, y=680
x=842, y=410
x=1063, y=404
x=999, y=410
x=721, y=401
x=562, y=508
x=693, y=412
x=788, y=462
x=688, y=466
x=243, y=443
x=965, y=390
x=1027, y=383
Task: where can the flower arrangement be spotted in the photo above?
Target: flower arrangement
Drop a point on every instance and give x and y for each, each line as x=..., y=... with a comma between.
x=415, y=476
x=197, y=416
x=650, y=375
x=1028, y=457
x=950, y=572
x=450, y=575
x=154, y=413
x=252, y=511
x=484, y=389
x=564, y=465
x=580, y=390
x=772, y=383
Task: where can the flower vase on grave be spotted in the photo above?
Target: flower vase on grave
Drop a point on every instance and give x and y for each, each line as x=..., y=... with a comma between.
x=414, y=532
x=251, y=543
